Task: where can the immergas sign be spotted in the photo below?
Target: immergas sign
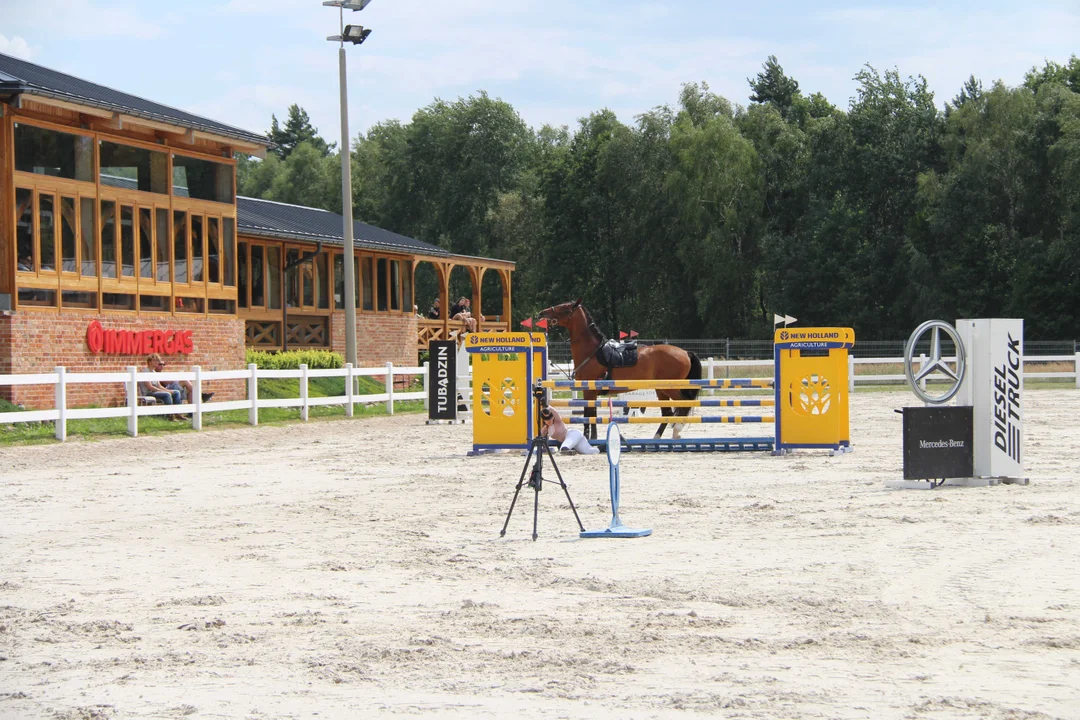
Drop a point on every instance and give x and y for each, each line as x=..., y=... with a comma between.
x=114, y=341
x=994, y=387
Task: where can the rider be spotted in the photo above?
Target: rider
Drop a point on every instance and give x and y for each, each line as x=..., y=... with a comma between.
x=572, y=440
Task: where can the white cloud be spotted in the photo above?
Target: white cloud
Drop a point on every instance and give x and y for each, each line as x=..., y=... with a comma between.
x=80, y=18
x=15, y=46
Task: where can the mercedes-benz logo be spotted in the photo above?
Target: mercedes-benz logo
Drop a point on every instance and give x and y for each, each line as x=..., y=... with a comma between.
x=935, y=363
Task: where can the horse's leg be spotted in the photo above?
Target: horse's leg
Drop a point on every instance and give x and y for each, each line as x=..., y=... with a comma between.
x=666, y=412
x=677, y=428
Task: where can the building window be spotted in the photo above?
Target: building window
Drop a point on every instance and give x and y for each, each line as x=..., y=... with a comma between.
x=146, y=245
x=202, y=179
x=79, y=299
x=87, y=246
x=49, y=152
x=213, y=251
x=108, y=239
x=24, y=230
x=47, y=232
x=242, y=279
x=228, y=226
x=223, y=307
x=366, y=276
x=127, y=241
x=273, y=273
x=381, y=293
x=189, y=305
x=38, y=298
x=258, y=279
x=133, y=168
x=69, y=262
x=154, y=303
x=117, y=301
x=339, y=281
x=406, y=286
x=180, y=249
x=161, y=217
x=197, y=251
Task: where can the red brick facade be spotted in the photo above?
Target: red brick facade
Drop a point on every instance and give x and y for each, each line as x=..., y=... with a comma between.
x=380, y=338
x=32, y=342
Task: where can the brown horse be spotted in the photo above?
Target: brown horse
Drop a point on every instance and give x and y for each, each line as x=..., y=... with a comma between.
x=655, y=362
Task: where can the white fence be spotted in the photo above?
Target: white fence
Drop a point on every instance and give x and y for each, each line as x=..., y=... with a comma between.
x=60, y=379
x=713, y=369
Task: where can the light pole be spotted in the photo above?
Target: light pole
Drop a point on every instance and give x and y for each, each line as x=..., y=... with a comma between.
x=355, y=34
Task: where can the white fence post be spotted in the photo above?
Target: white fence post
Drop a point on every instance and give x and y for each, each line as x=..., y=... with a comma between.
x=922, y=364
x=133, y=401
x=303, y=392
x=389, y=388
x=426, y=366
x=1076, y=370
x=712, y=373
x=253, y=394
x=196, y=416
x=61, y=404
x=348, y=390
x=851, y=374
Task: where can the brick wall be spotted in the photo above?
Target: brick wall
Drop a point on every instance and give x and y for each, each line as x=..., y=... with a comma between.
x=39, y=341
x=380, y=338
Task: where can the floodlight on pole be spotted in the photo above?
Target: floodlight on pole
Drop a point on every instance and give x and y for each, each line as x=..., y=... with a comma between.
x=354, y=34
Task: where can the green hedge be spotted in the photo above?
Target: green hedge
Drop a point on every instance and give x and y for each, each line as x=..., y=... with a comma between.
x=293, y=359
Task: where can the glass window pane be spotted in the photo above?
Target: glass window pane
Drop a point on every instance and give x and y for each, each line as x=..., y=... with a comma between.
x=154, y=303
x=406, y=286
x=322, y=289
x=366, y=281
x=162, y=217
x=87, y=233
x=180, y=266
x=202, y=179
x=42, y=298
x=108, y=239
x=242, y=280
x=78, y=299
x=24, y=229
x=228, y=246
x=339, y=281
x=307, y=272
x=197, y=248
x=117, y=301
x=146, y=244
x=68, y=262
x=49, y=152
x=127, y=241
x=292, y=279
x=258, y=279
x=47, y=232
x=380, y=288
x=133, y=168
x=395, y=285
x=273, y=276
x=213, y=251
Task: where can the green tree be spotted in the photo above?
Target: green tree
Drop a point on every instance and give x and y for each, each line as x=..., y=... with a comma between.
x=297, y=130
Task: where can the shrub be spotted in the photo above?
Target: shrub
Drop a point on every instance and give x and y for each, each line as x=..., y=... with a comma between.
x=293, y=359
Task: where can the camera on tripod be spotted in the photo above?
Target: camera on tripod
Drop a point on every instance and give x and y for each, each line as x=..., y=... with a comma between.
x=540, y=394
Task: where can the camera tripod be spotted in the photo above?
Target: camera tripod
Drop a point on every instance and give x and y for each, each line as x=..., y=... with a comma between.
x=539, y=446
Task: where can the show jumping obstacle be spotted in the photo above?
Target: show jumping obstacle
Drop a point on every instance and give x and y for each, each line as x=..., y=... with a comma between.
x=810, y=395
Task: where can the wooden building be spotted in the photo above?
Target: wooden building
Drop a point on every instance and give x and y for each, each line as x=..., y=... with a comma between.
x=121, y=231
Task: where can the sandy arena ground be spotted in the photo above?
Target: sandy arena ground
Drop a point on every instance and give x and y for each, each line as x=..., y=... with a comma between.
x=353, y=569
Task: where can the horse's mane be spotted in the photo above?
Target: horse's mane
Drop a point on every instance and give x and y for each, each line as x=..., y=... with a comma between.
x=591, y=325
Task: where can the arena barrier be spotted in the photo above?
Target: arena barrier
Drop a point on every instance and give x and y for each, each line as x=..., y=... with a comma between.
x=810, y=396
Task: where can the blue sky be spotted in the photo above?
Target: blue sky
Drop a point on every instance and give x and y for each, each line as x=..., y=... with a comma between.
x=238, y=61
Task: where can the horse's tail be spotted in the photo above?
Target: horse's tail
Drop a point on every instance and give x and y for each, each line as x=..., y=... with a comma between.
x=694, y=374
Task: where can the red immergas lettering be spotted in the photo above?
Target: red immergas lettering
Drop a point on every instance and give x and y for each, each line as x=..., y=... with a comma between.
x=159, y=341
x=147, y=341
x=189, y=345
x=110, y=341
x=170, y=342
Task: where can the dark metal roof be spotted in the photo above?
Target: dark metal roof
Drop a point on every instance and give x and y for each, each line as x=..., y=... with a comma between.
x=281, y=221
x=19, y=76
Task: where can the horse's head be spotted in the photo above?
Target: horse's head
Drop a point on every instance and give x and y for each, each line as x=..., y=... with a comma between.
x=561, y=313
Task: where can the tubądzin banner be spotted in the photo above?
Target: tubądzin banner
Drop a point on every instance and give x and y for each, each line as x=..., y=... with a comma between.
x=442, y=382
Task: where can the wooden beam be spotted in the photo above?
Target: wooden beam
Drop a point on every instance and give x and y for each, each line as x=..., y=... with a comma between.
x=61, y=104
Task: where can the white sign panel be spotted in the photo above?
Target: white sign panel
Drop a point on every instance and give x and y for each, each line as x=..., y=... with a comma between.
x=994, y=388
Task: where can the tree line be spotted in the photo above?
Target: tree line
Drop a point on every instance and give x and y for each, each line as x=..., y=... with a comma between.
x=702, y=219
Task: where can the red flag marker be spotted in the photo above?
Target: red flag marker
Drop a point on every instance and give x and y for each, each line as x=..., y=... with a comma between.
x=633, y=333
x=542, y=323
x=527, y=322
x=622, y=335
